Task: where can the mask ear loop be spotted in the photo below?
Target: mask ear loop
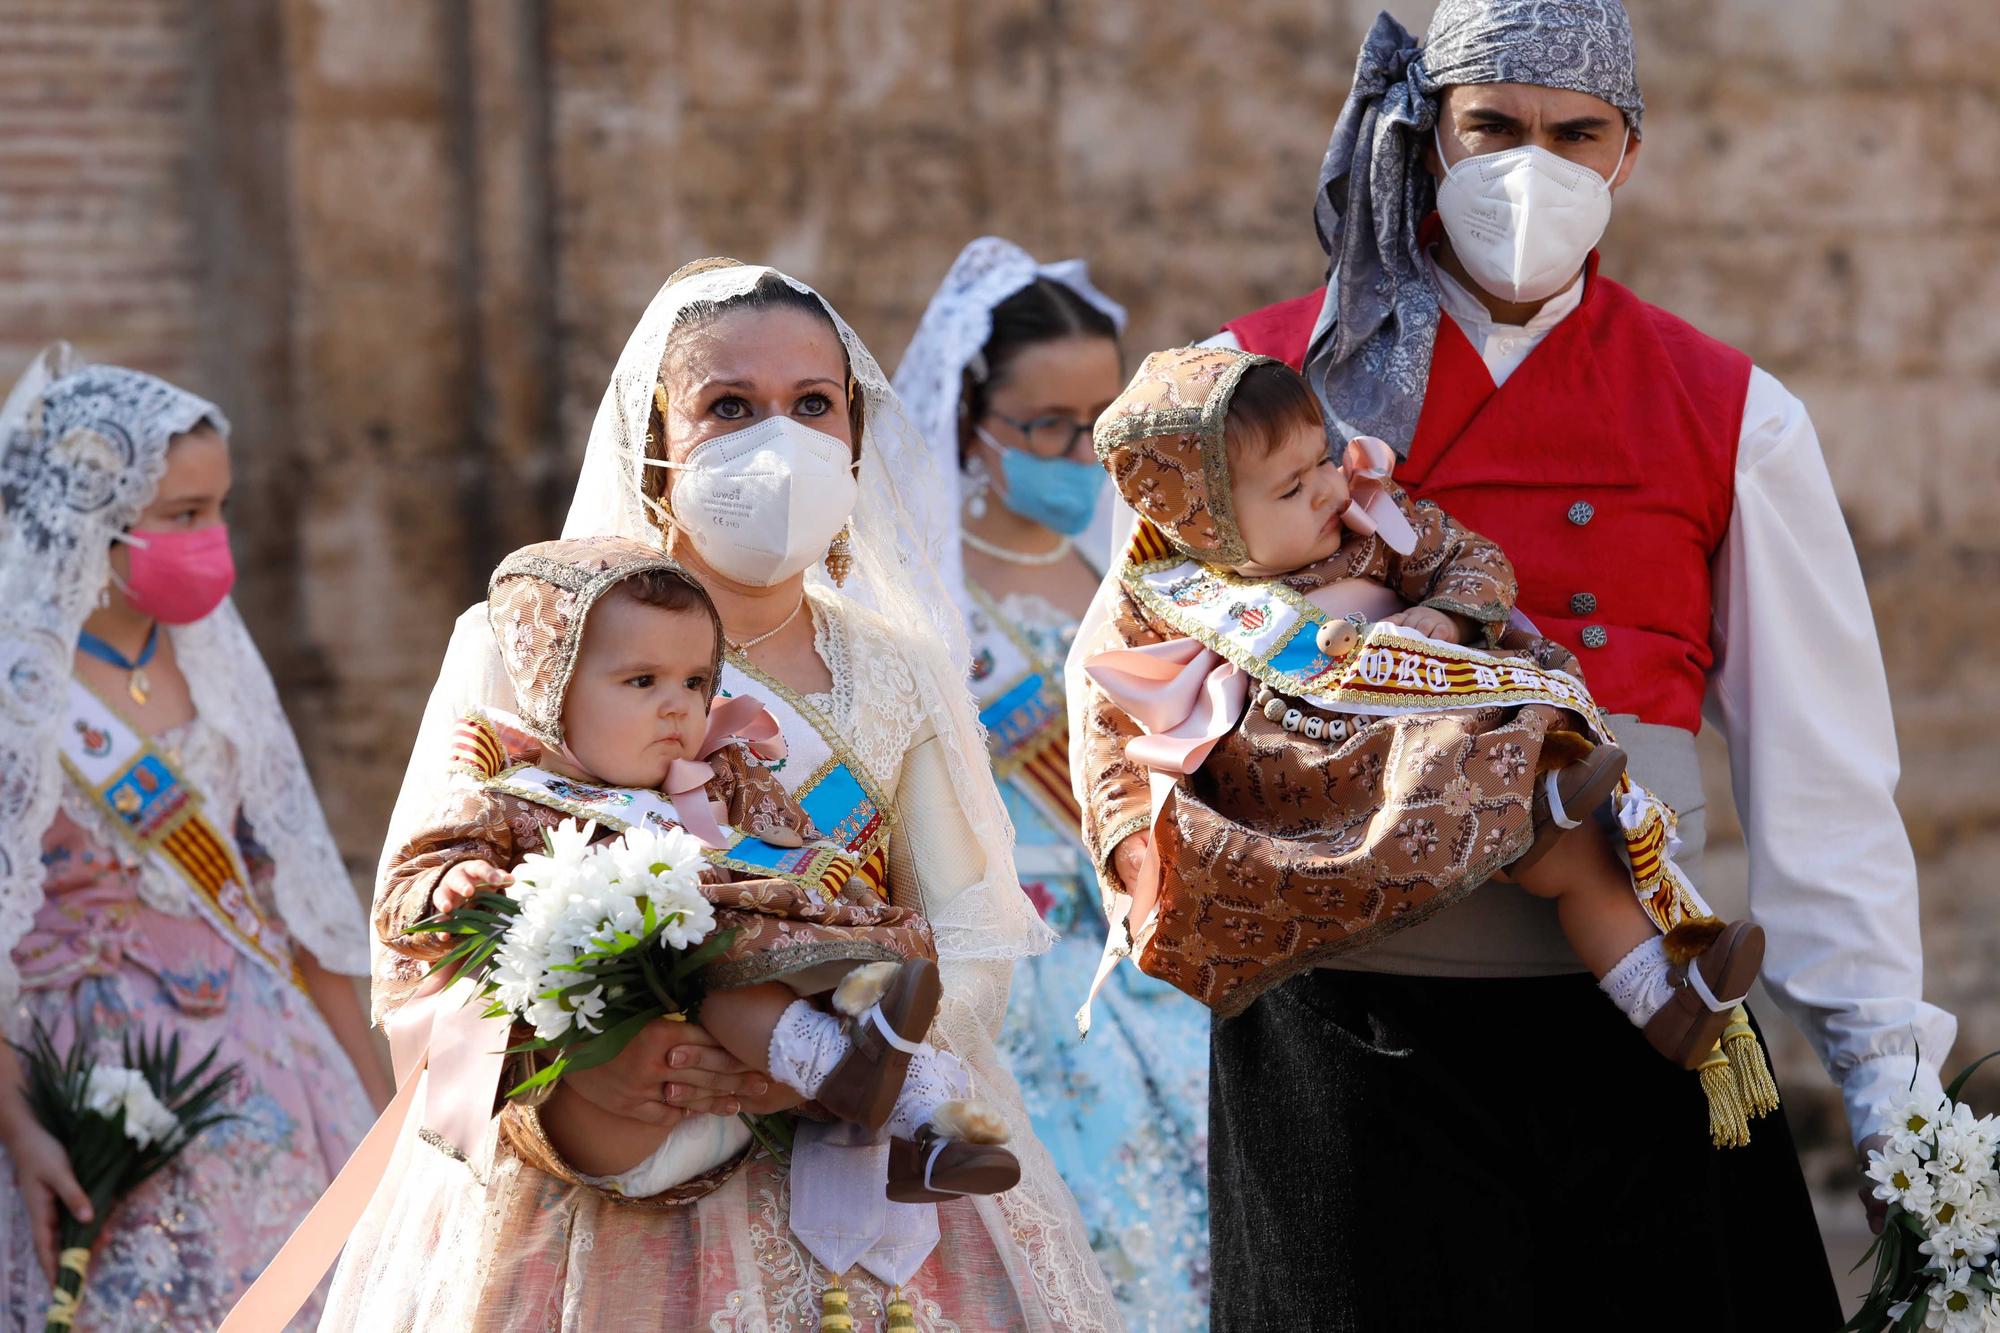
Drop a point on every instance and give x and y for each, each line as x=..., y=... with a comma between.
x=1619, y=165
x=136, y=543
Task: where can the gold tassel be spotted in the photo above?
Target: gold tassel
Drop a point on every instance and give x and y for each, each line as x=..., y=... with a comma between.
x=833, y=1315
x=840, y=557
x=1690, y=939
x=1756, y=1090
x=1728, y=1127
x=1560, y=749
x=901, y=1316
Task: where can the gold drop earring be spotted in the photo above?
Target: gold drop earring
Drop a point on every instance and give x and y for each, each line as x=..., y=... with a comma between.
x=840, y=557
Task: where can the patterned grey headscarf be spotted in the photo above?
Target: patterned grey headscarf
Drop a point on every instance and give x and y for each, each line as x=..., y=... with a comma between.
x=1371, y=349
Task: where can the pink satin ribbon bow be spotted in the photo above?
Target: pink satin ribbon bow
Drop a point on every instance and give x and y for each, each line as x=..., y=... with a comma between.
x=1371, y=510
x=1186, y=698
x=739, y=719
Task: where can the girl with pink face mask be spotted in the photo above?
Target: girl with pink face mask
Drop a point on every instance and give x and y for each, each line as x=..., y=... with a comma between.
x=164, y=864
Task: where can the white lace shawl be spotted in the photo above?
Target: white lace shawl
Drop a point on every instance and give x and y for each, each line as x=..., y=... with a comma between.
x=82, y=449
x=931, y=378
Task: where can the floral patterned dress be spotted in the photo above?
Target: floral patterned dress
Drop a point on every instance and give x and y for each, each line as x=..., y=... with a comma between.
x=118, y=948
x=1124, y=1114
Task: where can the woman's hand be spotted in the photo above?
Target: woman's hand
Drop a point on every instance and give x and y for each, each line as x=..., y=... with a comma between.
x=42, y=1171
x=1130, y=857
x=669, y=1070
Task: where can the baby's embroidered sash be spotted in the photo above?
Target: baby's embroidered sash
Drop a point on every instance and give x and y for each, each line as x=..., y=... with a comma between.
x=1022, y=707
x=479, y=753
x=1271, y=631
x=159, y=814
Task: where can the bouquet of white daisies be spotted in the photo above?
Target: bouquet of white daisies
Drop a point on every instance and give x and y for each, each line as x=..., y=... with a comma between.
x=589, y=944
x=120, y=1125
x=1934, y=1261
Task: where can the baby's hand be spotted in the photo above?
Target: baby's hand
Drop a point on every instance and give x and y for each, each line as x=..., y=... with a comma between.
x=463, y=882
x=1429, y=621
x=1130, y=856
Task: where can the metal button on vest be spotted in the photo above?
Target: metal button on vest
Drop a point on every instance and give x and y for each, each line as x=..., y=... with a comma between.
x=1583, y=603
x=1582, y=512
x=1594, y=636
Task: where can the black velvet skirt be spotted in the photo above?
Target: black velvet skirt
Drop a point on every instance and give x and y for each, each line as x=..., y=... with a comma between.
x=1428, y=1153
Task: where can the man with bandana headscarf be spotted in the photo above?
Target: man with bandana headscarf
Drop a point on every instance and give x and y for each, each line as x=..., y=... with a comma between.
x=1392, y=1143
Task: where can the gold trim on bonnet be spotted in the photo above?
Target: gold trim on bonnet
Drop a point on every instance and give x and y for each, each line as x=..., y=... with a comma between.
x=589, y=586
x=1208, y=424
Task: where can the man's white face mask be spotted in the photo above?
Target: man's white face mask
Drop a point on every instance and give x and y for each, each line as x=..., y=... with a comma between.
x=762, y=503
x=1523, y=220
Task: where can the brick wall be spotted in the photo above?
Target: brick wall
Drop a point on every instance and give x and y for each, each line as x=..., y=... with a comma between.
x=96, y=210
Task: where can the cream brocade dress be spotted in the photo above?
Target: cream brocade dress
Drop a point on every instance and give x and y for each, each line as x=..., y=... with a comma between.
x=496, y=1244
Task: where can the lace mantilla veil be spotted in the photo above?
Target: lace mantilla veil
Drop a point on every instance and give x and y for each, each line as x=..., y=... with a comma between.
x=897, y=558
x=931, y=380
x=82, y=450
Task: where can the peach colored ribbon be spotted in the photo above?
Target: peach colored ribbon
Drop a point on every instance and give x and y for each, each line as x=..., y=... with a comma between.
x=1186, y=698
x=739, y=719
x=439, y=1028
x=1371, y=510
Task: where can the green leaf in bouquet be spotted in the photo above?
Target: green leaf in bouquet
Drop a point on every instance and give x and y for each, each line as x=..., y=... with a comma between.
x=1958, y=1084
x=772, y=1132
x=695, y=959
x=1913, y=1318
x=1871, y=1254
x=541, y=1078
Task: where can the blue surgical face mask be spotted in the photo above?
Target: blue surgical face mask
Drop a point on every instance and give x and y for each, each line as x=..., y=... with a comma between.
x=1058, y=493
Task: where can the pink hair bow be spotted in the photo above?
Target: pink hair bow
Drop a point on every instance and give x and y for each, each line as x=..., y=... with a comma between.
x=1371, y=510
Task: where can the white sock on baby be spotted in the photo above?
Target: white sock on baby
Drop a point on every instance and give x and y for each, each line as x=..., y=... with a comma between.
x=1642, y=982
x=935, y=1077
x=808, y=1044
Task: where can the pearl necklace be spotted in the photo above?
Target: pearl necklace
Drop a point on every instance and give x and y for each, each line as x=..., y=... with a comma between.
x=771, y=633
x=1012, y=556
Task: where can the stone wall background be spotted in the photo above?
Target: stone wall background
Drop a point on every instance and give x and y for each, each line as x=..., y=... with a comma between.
x=402, y=241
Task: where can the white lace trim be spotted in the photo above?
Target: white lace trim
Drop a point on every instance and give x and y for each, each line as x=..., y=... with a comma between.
x=934, y=1078
x=807, y=1044
x=1641, y=982
x=874, y=705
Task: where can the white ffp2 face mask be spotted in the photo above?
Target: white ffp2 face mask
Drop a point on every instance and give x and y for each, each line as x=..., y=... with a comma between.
x=1523, y=220
x=762, y=503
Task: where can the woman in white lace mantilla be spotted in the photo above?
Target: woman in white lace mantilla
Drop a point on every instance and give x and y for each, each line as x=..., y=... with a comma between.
x=164, y=865
x=1008, y=368
x=866, y=679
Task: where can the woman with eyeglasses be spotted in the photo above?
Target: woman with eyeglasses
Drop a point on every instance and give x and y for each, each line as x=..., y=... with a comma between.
x=1009, y=369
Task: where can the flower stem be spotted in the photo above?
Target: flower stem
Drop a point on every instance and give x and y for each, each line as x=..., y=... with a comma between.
x=71, y=1267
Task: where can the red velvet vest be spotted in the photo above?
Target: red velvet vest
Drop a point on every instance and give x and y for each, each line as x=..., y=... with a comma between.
x=1604, y=466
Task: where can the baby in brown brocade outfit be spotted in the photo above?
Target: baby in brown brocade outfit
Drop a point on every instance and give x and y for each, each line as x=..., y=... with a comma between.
x=1291, y=833
x=613, y=652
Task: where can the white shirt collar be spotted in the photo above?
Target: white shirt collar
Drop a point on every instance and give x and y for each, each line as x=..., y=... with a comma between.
x=1471, y=312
